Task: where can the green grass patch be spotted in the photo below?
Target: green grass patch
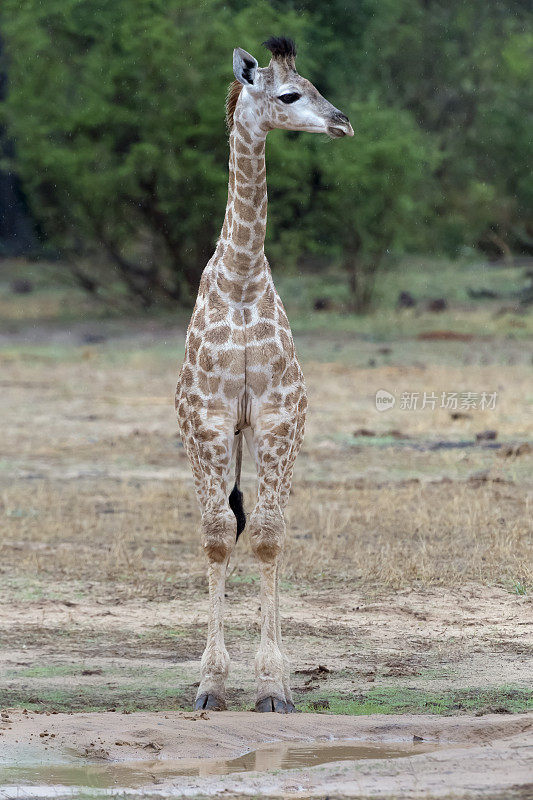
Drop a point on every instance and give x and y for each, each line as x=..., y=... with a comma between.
x=51, y=671
x=424, y=277
x=498, y=699
x=520, y=588
x=46, y=671
x=459, y=282
x=242, y=580
x=502, y=699
x=97, y=698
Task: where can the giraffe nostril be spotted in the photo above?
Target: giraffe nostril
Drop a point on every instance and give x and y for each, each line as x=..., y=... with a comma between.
x=340, y=117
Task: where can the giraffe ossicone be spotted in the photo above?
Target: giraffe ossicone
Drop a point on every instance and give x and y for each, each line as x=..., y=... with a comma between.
x=240, y=376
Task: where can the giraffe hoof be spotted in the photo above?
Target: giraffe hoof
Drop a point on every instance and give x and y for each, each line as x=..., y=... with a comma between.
x=291, y=708
x=209, y=702
x=271, y=704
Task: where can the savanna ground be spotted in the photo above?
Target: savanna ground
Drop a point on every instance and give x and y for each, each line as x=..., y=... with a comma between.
x=408, y=566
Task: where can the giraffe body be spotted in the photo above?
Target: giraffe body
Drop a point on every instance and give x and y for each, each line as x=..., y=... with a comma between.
x=241, y=376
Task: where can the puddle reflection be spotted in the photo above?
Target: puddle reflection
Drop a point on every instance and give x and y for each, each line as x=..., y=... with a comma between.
x=134, y=774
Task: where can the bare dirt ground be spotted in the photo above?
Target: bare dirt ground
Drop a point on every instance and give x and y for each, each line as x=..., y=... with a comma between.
x=489, y=757
x=407, y=574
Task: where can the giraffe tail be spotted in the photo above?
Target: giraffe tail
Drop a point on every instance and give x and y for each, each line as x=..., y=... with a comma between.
x=235, y=498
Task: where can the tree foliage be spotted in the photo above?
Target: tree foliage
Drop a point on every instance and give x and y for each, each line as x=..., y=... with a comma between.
x=116, y=111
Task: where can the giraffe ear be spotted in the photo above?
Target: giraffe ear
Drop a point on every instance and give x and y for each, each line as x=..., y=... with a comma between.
x=244, y=67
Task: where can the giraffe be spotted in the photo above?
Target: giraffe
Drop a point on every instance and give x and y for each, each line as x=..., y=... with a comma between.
x=240, y=375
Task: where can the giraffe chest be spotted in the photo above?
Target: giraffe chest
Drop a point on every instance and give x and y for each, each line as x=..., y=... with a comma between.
x=238, y=357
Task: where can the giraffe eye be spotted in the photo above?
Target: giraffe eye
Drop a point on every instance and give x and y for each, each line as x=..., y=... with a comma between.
x=292, y=97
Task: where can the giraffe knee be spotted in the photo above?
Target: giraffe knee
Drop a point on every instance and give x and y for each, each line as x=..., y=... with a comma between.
x=267, y=532
x=219, y=533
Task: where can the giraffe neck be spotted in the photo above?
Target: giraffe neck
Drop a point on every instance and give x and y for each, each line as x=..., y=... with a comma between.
x=241, y=262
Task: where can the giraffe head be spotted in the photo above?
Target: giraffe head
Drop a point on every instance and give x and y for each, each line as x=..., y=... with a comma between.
x=277, y=97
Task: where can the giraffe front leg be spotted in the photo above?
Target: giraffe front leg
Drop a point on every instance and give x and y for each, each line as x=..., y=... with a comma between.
x=267, y=532
x=271, y=444
x=285, y=490
x=215, y=660
x=219, y=529
x=209, y=447
x=286, y=663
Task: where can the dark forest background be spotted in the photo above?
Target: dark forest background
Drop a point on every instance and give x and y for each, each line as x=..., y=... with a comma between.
x=114, y=149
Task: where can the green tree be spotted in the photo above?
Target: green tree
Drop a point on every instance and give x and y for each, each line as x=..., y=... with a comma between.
x=464, y=70
x=377, y=194
x=117, y=110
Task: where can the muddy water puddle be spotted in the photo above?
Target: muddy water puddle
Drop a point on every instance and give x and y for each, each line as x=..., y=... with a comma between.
x=135, y=774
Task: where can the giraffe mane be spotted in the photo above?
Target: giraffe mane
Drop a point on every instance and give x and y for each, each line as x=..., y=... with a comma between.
x=281, y=47
x=234, y=91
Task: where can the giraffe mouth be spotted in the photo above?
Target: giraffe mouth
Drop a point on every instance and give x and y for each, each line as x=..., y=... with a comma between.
x=335, y=132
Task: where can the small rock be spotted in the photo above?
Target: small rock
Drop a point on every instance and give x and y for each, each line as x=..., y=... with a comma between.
x=516, y=450
x=153, y=746
x=486, y=436
x=21, y=286
x=93, y=338
x=320, y=670
x=437, y=305
x=405, y=300
x=396, y=434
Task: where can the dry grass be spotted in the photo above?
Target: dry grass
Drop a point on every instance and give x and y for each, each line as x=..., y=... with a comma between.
x=95, y=487
x=405, y=565
x=142, y=539
x=442, y=533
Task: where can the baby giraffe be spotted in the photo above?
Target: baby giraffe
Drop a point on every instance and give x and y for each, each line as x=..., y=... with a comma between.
x=240, y=376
